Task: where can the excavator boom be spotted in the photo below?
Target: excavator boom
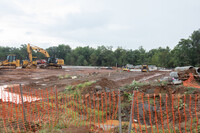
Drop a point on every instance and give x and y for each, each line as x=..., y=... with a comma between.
x=39, y=50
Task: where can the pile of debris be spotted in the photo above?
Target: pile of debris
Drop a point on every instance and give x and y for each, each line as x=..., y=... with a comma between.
x=183, y=72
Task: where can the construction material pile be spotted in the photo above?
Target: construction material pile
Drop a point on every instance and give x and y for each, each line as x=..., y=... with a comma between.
x=184, y=73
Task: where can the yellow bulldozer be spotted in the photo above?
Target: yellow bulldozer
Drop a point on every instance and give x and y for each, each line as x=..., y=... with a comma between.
x=27, y=64
x=145, y=68
x=51, y=61
x=10, y=63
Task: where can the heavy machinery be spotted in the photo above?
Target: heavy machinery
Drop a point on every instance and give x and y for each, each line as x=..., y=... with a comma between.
x=31, y=63
x=28, y=64
x=145, y=68
x=126, y=69
x=11, y=62
x=51, y=61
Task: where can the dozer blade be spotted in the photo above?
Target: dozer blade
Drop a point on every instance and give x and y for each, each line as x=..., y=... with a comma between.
x=44, y=66
x=30, y=67
x=53, y=67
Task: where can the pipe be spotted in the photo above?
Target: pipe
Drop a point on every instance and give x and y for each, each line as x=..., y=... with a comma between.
x=179, y=69
x=198, y=70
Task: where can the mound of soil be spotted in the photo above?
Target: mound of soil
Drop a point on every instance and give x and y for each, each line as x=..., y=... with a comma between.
x=51, y=78
x=104, y=82
x=103, y=85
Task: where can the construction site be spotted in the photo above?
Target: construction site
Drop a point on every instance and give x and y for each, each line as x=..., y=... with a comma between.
x=151, y=100
x=99, y=66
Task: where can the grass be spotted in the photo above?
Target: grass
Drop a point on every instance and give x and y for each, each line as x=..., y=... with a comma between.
x=135, y=85
x=75, y=89
x=190, y=90
x=64, y=76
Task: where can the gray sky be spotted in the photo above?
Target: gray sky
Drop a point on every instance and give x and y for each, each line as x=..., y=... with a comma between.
x=125, y=23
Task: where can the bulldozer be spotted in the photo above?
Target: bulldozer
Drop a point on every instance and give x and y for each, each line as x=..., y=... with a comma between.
x=51, y=61
x=10, y=63
x=27, y=64
x=145, y=68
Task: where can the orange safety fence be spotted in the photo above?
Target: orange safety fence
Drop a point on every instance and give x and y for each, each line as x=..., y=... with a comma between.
x=98, y=111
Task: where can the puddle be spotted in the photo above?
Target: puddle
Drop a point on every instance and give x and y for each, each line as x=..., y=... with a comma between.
x=6, y=96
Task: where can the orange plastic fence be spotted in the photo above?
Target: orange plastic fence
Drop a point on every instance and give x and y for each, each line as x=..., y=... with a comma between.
x=99, y=111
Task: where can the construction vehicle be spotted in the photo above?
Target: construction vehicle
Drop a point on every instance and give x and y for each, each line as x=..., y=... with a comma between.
x=31, y=63
x=126, y=69
x=145, y=68
x=28, y=64
x=42, y=61
x=51, y=61
x=10, y=63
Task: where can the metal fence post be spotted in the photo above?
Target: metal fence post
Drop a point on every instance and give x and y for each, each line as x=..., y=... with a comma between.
x=56, y=98
x=119, y=111
x=130, y=122
x=22, y=102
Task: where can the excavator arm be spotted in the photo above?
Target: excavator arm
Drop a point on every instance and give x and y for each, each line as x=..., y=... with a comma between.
x=29, y=53
x=38, y=49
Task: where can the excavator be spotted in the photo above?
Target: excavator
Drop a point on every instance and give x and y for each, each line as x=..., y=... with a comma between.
x=51, y=61
x=10, y=63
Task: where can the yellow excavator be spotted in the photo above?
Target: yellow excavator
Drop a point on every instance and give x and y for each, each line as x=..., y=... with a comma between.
x=31, y=63
x=51, y=61
x=10, y=63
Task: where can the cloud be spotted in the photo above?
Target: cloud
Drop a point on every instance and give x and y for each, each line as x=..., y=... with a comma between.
x=28, y=33
x=128, y=24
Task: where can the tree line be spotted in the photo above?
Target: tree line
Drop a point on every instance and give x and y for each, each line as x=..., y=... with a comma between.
x=186, y=52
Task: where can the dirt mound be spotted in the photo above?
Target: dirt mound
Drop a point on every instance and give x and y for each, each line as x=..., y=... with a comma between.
x=103, y=85
x=51, y=78
x=184, y=75
x=104, y=82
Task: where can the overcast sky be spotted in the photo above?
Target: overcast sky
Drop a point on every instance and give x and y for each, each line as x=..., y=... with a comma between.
x=125, y=23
